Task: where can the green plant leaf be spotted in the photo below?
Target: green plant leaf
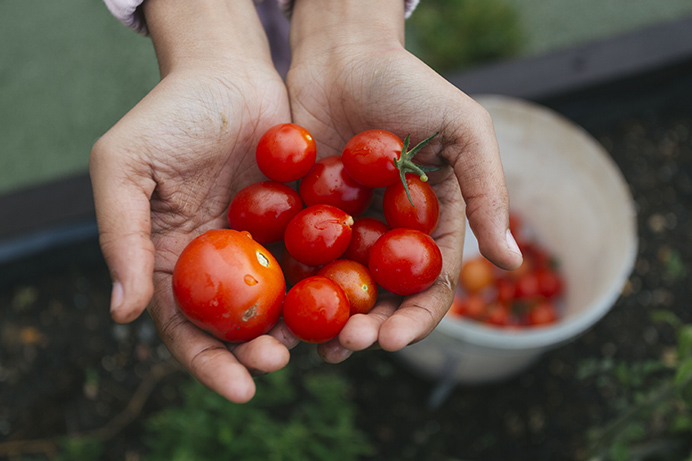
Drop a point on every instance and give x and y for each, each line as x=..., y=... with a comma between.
x=293, y=416
x=454, y=34
x=664, y=316
x=685, y=342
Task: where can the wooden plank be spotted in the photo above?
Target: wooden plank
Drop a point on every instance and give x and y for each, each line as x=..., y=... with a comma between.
x=53, y=204
x=583, y=66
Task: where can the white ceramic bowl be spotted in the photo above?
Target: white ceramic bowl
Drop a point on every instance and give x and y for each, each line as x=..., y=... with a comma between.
x=567, y=189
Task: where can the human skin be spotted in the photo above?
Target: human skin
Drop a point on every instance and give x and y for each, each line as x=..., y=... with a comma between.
x=166, y=171
x=350, y=72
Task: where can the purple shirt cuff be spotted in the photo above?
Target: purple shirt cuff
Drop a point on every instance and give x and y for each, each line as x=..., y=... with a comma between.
x=127, y=11
x=287, y=5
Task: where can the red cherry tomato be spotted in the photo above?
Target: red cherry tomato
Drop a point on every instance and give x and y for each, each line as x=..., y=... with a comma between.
x=422, y=215
x=498, y=315
x=537, y=256
x=356, y=281
x=472, y=305
x=316, y=309
x=506, y=290
x=369, y=158
x=405, y=261
x=329, y=183
x=526, y=286
x=476, y=274
x=294, y=270
x=549, y=282
x=366, y=231
x=264, y=209
x=543, y=313
x=318, y=234
x=229, y=285
x=286, y=152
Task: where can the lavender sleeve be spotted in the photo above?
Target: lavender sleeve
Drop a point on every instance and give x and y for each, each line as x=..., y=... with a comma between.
x=287, y=5
x=128, y=12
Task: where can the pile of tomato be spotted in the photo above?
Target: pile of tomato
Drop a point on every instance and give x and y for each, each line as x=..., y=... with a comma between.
x=528, y=296
x=329, y=257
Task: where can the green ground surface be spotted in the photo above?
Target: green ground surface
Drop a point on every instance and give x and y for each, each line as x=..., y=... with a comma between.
x=555, y=24
x=69, y=71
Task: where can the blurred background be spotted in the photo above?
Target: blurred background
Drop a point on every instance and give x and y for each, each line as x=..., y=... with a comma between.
x=75, y=386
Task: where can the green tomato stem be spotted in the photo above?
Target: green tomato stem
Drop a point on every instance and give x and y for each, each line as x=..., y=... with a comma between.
x=406, y=165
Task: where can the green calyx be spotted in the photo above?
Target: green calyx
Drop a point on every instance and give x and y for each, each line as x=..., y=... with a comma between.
x=406, y=165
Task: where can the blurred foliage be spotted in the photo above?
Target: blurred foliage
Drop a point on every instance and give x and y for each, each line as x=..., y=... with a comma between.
x=450, y=35
x=653, y=403
x=82, y=448
x=313, y=420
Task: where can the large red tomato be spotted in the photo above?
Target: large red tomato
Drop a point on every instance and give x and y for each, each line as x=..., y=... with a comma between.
x=229, y=285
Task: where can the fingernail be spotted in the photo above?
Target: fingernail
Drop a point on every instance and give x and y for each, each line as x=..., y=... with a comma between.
x=116, y=296
x=512, y=244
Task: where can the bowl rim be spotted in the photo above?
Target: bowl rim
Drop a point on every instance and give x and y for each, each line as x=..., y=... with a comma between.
x=550, y=336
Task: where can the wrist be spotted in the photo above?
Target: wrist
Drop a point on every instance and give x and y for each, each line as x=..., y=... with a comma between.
x=189, y=34
x=330, y=24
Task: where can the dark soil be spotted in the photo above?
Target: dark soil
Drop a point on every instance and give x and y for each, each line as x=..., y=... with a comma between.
x=65, y=368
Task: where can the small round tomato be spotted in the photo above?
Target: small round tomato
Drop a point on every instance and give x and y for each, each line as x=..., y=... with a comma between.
x=476, y=274
x=286, y=152
x=405, y=261
x=543, y=313
x=318, y=234
x=356, y=281
x=423, y=214
x=366, y=231
x=471, y=305
x=506, y=290
x=526, y=286
x=264, y=209
x=294, y=270
x=498, y=315
x=316, y=309
x=229, y=285
x=537, y=256
x=369, y=158
x=329, y=183
x=549, y=282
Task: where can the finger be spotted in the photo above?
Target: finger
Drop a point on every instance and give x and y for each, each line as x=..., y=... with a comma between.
x=475, y=156
x=264, y=354
x=416, y=318
x=285, y=336
x=333, y=352
x=362, y=330
x=121, y=199
x=205, y=357
x=267, y=353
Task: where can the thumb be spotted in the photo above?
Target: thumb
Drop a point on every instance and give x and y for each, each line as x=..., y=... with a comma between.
x=478, y=169
x=121, y=198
